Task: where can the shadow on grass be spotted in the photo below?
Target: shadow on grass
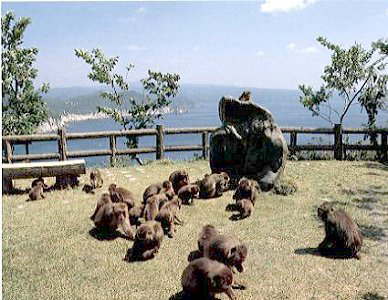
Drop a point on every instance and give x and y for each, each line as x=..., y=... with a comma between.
x=328, y=253
x=376, y=166
x=372, y=232
x=372, y=296
x=231, y=207
x=183, y=296
x=106, y=235
x=235, y=217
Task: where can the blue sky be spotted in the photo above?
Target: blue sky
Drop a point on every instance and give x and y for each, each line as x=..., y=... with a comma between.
x=265, y=44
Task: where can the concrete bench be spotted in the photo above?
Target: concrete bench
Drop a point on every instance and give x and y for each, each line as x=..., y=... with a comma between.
x=66, y=172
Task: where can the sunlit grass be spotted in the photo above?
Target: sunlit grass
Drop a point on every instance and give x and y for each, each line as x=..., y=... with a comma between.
x=48, y=252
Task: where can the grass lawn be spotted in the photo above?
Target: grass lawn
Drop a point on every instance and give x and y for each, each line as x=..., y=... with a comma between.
x=49, y=252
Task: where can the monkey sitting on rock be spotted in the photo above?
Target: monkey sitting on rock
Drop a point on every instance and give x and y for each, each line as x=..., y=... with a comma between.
x=342, y=235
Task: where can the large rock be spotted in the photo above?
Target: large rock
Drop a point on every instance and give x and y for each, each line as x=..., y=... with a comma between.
x=248, y=144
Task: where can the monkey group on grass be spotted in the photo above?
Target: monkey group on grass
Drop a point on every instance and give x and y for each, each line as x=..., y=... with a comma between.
x=211, y=271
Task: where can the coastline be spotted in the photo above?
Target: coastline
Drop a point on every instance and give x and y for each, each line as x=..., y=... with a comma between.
x=52, y=124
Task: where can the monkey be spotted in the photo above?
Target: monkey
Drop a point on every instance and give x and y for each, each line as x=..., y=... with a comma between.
x=157, y=188
x=96, y=180
x=178, y=179
x=227, y=250
x=342, y=235
x=245, y=208
x=148, y=239
x=188, y=192
x=247, y=189
x=40, y=179
x=112, y=215
x=167, y=216
x=104, y=199
x=120, y=194
x=151, y=209
x=36, y=193
x=245, y=96
x=88, y=189
x=135, y=214
x=153, y=205
x=203, y=278
x=208, y=232
x=213, y=185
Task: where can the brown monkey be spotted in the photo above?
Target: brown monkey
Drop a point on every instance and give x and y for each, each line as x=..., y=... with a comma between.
x=36, y=193
x=247, y=189
x=153, y=205
x=203, y=278
x=104, y=199
x=168, y=215
x=112, y=215
x=96, y=180
x=151, y=208
x=228, y=250
x=213, y=185
x=245, y=96
x=135, y=214
x=157, y=188
x=208, y=232
x=148, y=238
x=178, y=179
x=120, y=194
x=188, y=192
x=342, y=235
x=40, y=179
x=245, y=207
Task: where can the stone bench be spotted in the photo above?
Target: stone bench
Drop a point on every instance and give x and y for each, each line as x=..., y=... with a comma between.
x=66, y=172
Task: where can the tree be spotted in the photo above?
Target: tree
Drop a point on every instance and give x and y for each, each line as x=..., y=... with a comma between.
x=23, y=108
x=125, y=110
x=357, y=75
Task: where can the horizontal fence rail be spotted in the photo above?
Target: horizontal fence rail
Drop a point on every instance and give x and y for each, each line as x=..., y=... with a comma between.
x=338, y=147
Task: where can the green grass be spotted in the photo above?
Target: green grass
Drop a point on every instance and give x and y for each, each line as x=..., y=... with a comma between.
x=48, y=252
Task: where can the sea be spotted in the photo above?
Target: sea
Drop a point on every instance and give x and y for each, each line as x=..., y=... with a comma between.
x=284, y=105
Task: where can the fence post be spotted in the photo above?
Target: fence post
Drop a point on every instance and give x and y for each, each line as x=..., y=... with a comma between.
x=384, y=146
x=8, y=151
x=112, y=143
x=205, y=145
x=293, y=141
x=62, y=147
x=338, y=146
x=159, y=142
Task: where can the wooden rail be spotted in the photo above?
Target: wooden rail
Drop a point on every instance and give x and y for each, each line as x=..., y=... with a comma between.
x=339, y=147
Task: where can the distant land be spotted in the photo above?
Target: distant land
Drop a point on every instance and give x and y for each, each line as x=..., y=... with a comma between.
x=283, y=103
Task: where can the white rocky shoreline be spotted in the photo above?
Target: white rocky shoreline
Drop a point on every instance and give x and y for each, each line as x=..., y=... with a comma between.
x=52, y=124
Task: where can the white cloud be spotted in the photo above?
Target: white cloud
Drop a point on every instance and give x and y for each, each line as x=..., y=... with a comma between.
x=386, y=11
x=141, y=10
x=135, y=48
x=311, y=49
x=291, y=46
x=271, y=6
x=196, y=48
x=259, y=53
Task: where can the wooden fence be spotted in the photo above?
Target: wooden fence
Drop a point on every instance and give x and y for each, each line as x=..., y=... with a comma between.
x=339, y=147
